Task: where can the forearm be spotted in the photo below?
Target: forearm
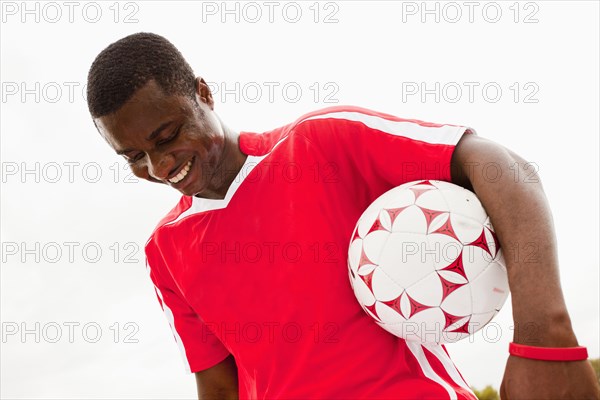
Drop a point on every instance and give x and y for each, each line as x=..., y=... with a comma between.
x=216, y=394
x=522, y=220
x=218, y=382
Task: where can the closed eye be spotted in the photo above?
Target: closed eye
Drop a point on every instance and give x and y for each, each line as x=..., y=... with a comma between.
x=170, y=138
x=135, y=159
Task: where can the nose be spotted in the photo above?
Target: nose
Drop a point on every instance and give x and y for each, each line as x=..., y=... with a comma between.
x=160, y=165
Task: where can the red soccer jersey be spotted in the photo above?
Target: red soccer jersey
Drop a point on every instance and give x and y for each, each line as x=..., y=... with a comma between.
x=262, y=274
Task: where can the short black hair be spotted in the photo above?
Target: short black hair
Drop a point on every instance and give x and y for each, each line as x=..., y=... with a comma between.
x=128, y=64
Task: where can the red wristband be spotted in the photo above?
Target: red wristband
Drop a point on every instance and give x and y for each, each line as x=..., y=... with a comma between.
x=548, y=353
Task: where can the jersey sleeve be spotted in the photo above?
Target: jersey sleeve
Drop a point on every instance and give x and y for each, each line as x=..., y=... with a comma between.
x=200, y=348
x=386, y=151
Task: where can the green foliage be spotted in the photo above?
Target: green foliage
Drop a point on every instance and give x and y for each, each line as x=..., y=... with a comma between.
x=487, y=393
x=596, y=365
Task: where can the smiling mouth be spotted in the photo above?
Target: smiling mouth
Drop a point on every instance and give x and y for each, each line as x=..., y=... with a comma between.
x=182, y=173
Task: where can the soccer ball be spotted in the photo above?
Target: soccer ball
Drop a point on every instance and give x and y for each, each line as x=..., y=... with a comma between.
x=425, y=263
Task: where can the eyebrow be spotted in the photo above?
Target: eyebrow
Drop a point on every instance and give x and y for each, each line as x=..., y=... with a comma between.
x=151, y=137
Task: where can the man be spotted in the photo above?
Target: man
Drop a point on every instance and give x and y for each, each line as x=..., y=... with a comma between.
x=250, y=265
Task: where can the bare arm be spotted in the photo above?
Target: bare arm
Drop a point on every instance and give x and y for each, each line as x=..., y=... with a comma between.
x=219, y=382
x=521, y=217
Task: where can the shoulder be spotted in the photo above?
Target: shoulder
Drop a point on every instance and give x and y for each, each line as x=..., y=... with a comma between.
x=350, y=120
x=355, y=128
x=350, y=112
x=320, y=122
x=330, y=116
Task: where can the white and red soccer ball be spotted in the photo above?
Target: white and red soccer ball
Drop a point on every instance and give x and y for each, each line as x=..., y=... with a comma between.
x=425, y=264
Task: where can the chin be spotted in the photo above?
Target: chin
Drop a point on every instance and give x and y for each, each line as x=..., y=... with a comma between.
x=196, y=190
x=187, y=192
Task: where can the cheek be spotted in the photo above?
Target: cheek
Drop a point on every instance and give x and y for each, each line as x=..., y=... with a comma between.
x=207, y=137
x=216, y=152
x=211, y=144
x=217, y=144
x=211, y=126
x=140, y=170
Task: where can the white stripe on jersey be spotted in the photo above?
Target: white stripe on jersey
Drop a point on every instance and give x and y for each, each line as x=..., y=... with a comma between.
x=445, y=134
x=171, y=319
x=449, y=366
x=180, y=344
x=428, y=371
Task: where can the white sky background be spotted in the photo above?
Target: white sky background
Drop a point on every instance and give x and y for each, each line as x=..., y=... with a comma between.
x=369, y=57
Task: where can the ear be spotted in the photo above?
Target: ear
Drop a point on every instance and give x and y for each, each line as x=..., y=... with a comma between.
x=203, y=93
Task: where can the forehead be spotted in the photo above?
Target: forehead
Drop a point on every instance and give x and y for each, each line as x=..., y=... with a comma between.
x=144, y=112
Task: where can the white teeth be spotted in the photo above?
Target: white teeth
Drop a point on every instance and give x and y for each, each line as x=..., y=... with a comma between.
x=182, y=174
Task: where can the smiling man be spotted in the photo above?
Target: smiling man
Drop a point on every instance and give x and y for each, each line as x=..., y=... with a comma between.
x=250, y=265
